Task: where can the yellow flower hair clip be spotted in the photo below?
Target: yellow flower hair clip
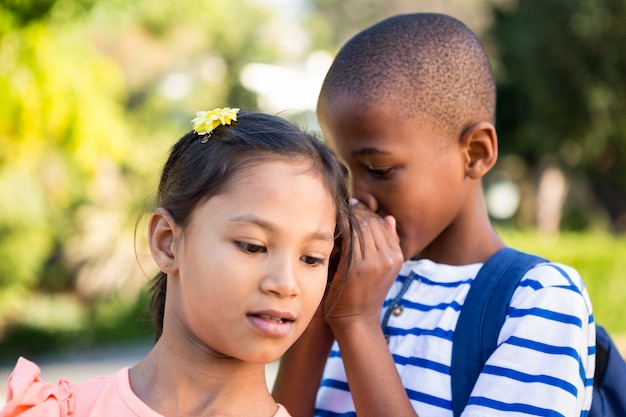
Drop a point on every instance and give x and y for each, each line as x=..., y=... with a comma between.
x=206, y=121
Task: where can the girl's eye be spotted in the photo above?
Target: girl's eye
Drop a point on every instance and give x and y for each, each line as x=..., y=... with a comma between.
x=379, y=172
x=251, y=247
x=312, y=261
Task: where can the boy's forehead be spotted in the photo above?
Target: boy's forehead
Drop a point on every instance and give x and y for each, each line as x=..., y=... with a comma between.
x=392, y=108
x=351, y=112
x=348, y=109
x=377, y=131
x=360, y=100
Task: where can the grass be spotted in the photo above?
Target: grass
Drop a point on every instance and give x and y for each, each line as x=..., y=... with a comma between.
x=108, y=322
x=600, y=258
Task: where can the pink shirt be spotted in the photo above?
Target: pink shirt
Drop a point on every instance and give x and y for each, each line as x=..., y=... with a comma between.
x=29, y=396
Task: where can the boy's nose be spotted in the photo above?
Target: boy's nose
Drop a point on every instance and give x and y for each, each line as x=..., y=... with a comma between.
x=361, y=193
x=280, y=279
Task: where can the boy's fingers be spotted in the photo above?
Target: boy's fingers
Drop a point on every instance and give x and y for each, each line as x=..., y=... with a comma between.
x=360, y=238
x=384, y=232
x=359, y=206
x=391, y=221
x=369, y=225
x=377, y=232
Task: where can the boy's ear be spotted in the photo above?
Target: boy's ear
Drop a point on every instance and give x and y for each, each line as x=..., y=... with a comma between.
x=480, y=142
x=162, y=234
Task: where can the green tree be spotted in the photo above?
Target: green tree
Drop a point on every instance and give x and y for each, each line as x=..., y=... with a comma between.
x=60, y=124
x=562, y=94
x=333, y=22
x=86, y=119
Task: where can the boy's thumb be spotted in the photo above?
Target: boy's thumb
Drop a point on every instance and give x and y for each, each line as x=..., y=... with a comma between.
x=391, y=221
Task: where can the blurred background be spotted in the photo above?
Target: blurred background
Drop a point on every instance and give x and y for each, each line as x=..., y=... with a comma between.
x=93, y=94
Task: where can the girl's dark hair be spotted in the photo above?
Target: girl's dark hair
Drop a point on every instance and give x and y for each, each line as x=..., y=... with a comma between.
x=197, y=170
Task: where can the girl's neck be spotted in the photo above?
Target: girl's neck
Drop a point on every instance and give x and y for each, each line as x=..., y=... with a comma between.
x=183, y=383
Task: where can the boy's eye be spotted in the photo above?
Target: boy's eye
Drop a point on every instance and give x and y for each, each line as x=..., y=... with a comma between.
x=251, y=247
x=312, y=261
x=379, y=172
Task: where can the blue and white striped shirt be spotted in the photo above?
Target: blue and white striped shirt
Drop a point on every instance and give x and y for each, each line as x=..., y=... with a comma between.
x=543, y=365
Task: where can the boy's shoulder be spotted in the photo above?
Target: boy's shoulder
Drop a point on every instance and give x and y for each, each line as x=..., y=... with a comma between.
x=552, y=286
x=545, y=274
x=554, y=274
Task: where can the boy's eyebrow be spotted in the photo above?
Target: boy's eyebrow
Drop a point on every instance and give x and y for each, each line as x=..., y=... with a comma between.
x=370, y=150
x=251, y=219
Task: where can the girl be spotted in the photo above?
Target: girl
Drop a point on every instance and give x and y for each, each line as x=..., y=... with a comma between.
x=249, y=211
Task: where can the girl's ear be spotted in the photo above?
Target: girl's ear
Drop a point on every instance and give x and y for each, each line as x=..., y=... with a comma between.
x=162, y=234
x=480, y=143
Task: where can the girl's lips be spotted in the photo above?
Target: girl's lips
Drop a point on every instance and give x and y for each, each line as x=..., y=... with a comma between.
x=272, y=323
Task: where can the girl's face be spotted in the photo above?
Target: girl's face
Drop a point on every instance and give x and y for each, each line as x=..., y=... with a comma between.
x=252, y=264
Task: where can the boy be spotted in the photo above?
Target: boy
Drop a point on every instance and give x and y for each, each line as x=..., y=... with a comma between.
x=409, y=106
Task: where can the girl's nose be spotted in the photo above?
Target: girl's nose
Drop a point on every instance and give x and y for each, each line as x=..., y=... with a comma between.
x=280, y=279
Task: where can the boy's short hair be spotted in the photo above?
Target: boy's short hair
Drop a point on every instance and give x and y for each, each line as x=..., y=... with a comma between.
x=432, y=65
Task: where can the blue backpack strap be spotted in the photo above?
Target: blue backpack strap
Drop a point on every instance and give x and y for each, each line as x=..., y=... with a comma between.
x=609, y=382
x=482, y=315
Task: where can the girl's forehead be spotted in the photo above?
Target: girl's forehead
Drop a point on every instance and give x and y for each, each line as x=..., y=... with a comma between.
x=299, y=164
x=274, y=186
x=273, y=168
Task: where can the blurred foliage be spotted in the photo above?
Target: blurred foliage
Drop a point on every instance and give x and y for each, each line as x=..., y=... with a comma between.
x=61, y=131
x=93, y=94
x=333, y=22
x=562, y=94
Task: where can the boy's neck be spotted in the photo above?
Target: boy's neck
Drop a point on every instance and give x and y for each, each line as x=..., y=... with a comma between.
x=471, y=238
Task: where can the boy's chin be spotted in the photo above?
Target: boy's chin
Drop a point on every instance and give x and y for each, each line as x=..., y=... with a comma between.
x=408, y=253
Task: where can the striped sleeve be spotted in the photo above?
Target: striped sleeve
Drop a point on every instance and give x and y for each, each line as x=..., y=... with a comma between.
x=545, y=359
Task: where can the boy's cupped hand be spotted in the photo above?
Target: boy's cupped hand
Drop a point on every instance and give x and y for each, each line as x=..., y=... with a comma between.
x=375, y=264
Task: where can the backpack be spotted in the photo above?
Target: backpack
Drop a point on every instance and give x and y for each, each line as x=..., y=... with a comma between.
x=483, y=315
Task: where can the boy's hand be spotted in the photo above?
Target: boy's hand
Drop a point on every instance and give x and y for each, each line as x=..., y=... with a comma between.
x=376, y=261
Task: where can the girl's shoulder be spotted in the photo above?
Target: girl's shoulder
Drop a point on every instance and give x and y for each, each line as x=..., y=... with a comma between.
x=26, y=392
x=28, y=395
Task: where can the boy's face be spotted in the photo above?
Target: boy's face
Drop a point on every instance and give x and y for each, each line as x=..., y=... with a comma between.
x=400, y=167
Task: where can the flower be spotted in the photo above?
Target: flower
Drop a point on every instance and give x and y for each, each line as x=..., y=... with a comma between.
x=206, y=121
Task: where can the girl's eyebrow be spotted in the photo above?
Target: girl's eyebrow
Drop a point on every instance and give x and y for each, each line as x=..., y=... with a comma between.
x=263, y=224
x=251, y=219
